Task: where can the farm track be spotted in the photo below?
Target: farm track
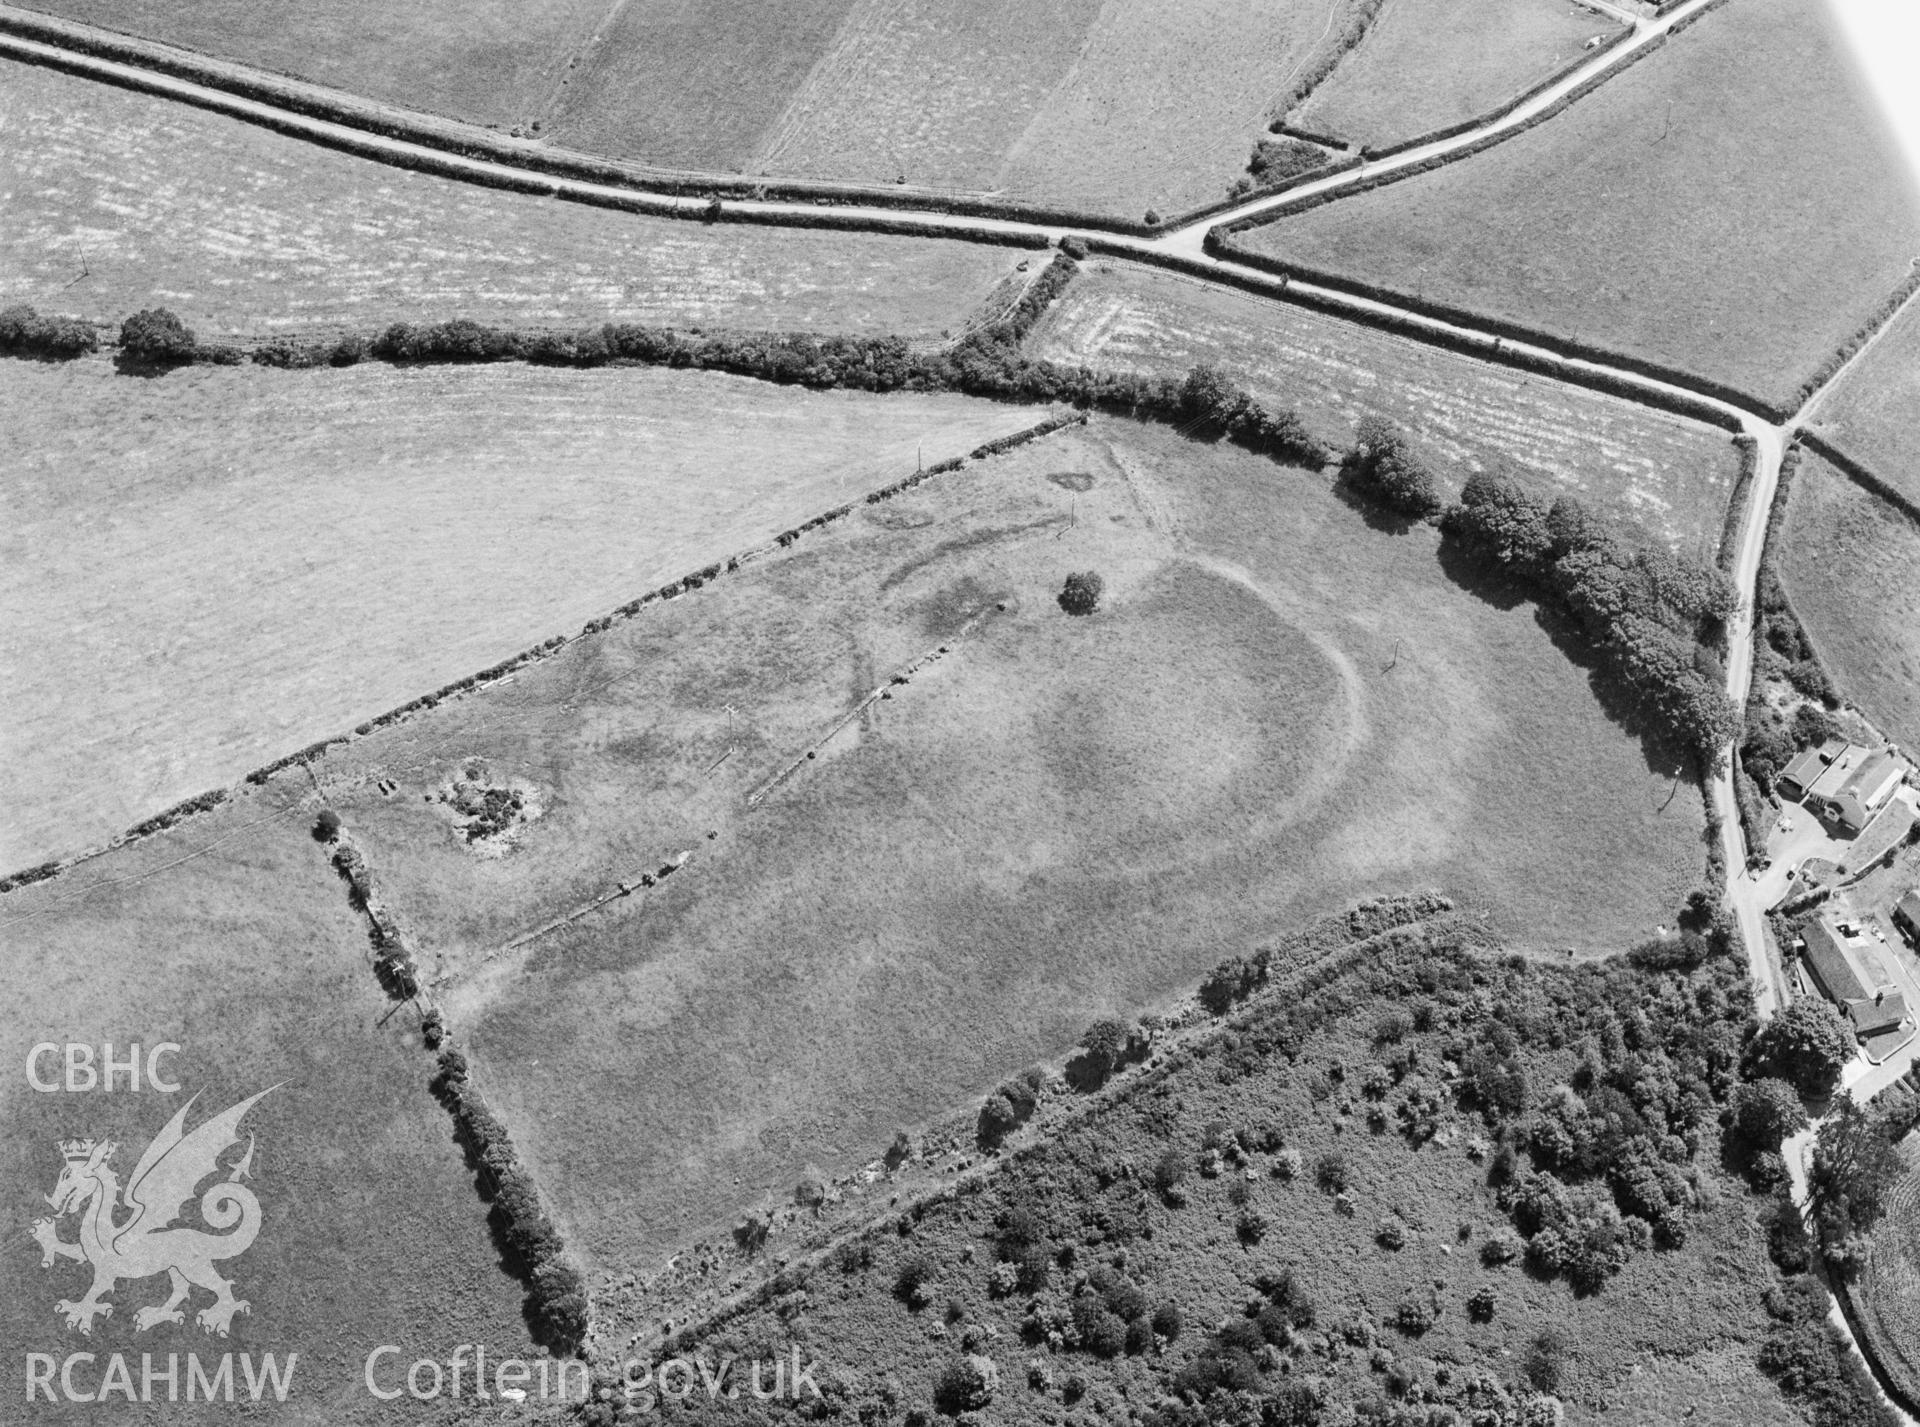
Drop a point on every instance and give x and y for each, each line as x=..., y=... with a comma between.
x=1182, y=247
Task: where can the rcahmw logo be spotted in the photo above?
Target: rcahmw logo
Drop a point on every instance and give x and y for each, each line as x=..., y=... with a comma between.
x=130, y=1231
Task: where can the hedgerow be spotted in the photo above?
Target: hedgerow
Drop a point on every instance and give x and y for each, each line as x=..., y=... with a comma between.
x=155, y=336
x=25, y=332
x=1654, y=616
x=556, y=1290
x=1782, y=648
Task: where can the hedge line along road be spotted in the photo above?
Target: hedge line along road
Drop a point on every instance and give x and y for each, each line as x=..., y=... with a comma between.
x=42, y=45
x=1185, y=243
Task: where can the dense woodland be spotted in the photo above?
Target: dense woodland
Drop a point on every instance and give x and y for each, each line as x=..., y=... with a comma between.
x=1608, y=1113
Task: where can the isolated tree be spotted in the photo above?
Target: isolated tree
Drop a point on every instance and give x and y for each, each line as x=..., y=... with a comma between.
x=1105, y=1041
x=326, y=827
x=1806, y=1045
x=154, y=334
x=1081, y=593
x=997, y=1120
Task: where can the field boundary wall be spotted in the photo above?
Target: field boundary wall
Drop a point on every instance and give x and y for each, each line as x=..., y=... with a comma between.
x=1452, y=156
x=1836, y=360
x=1736, y=517
x=470, y=683
x=1499, y=112
x=1489, y=349
x=1344, y=941
x=1502, y=328
x=1860, y=475
x=456, y=139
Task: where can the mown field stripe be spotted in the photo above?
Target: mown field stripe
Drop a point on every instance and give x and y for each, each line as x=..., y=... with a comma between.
x=367, y=129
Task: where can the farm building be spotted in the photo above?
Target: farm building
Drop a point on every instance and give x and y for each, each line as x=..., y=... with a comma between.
x=1847, y=974
x=1906, y=916
x=1855, y=786
x=1807, y=766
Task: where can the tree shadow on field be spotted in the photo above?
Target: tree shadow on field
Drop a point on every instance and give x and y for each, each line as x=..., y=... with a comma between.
x=147, y=368
x=1378, y=517
x=1494, y=587
x=510, y=1260
x=1664, y=756
x=45, y=359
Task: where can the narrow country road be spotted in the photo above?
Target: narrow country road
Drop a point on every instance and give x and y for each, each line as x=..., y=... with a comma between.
x=1185, y=241
x=1860, y=1080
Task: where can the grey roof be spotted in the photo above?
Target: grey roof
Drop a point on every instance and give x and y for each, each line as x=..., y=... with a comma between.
x=1832, y=967
x=1871, y=1017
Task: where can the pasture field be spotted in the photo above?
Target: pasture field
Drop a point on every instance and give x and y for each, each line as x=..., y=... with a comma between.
x=1670, y=475
x=1112, y=105
x=1848, y=563
x=240, y=230
x=1422, y=67
x=1688, y=1316
x=494, y=63
x=1869, y=415
x=693, y=87
x=210, y=569
x=234, y=940
x=1887, y=1296
x=1591, y=226
x=1277, y=710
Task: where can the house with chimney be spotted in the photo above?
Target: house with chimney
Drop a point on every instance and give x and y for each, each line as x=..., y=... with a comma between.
x=1843, y=782
x=1847, y=971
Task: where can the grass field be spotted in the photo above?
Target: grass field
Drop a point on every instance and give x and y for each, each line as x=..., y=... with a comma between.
x=1888, y=1293
x=1848, y=565
x=1671, y=475
x=493, y=63
x=1112, y=105
x=1118, y=106
x=693, y=87
x=1687, y=1320
x=235, y=941
x=1278, y=710
x=1593, y=226
x=242, y=230
x=210, y=569
x=1423, y=66
x=1869, y=415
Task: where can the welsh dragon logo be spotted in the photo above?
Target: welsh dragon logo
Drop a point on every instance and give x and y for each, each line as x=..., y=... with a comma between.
x=148, y=1241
